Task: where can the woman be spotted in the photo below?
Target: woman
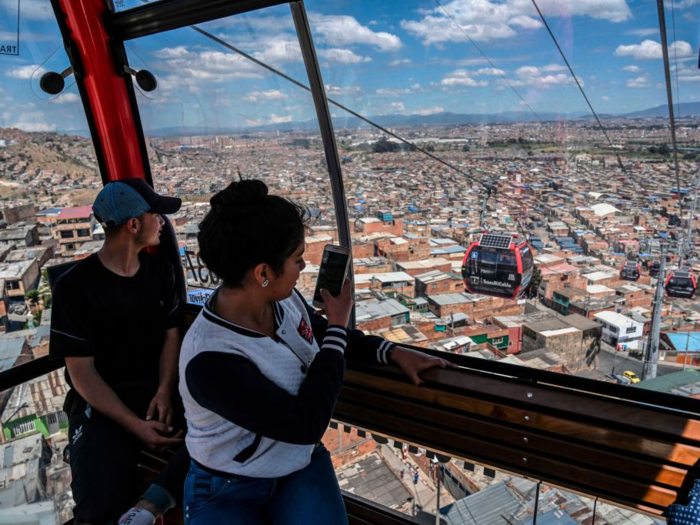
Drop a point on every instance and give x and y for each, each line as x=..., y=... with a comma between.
x=260, y=372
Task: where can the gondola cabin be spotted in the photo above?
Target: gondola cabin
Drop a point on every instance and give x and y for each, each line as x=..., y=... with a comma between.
x=681, y=283
x=499, y=265
x=654, y=268
x=631, y=271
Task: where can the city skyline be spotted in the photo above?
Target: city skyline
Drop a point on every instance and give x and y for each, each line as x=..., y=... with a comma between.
x=381, y=58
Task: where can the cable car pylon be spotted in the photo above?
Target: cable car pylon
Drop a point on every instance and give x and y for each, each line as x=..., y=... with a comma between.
x=651, y=352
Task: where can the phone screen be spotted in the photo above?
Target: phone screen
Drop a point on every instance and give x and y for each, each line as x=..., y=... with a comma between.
x=332, y=274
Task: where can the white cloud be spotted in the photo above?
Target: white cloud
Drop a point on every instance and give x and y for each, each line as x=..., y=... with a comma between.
x=638, y=82
x=651, y=50
x=397, y=92
x=343, y=90
x=26, y=72
x=632, y=69
x=34, y=126
x=462, y=77
x=195, y=68
x=272, y=94
x=274, y=119
x=397, y=106
x=342, y=56
x=526, y=22
x=605, y=98
x=276, y=49
x=491, y=71
x=428, y=111
x=543, y=76
x=485, y=20
x=31, y=121
x=66, y=98
x=343, y=31
x=687, y=73
x=400, y=62
x=643, y=32
x=690, y=17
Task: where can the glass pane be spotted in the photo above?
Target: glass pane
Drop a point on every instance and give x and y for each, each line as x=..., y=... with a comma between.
x=482, y=87
x=36, y=479
x=123, y=5
x=557, y=505
x=406, y=478
x=48, y=174
x=216, y=116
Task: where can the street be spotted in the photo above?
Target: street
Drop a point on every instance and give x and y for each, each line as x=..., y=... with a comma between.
x=610, y=361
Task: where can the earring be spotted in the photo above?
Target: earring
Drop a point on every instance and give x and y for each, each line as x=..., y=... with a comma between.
x=265, y=283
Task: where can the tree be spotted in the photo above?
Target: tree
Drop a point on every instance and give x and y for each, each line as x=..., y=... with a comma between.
x=384, y=146
x=535, y=281
x=466, y=148
x=32, y=295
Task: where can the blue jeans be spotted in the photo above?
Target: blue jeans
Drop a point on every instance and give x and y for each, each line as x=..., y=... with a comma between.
x=310, y=496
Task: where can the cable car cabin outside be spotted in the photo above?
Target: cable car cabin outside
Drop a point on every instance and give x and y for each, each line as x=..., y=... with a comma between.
x=681, y=284
x=498, y=265
x=631, y=271
x=654, y=267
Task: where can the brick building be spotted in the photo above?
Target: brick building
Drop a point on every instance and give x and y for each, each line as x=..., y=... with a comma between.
x=72, y=228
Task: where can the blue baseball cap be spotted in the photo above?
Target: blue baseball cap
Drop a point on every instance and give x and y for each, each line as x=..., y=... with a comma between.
x=125, y=199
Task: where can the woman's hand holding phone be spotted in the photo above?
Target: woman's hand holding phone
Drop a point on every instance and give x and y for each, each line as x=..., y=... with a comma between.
x=338, y=309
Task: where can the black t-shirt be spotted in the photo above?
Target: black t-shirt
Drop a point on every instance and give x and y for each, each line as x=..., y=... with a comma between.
x=120, y=321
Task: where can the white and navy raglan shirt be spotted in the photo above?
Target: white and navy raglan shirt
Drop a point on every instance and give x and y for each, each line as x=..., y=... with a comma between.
x=257, y=406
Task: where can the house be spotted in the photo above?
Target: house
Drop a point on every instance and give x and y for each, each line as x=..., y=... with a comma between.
x=73, y=227
x=619, y=329
x=373, y=315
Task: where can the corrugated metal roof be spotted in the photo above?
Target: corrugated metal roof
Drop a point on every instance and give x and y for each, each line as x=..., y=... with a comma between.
x=490, y=506
x=10, y=350
x=685, y=340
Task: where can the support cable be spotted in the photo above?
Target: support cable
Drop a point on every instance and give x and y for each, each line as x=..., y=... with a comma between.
x=488, y=60
x=487, y=186
x=675, y=59
x=669, y=97
x=590, y=106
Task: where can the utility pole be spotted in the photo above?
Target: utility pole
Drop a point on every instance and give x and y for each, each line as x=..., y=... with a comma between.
x=437, y=504
x=651, y=355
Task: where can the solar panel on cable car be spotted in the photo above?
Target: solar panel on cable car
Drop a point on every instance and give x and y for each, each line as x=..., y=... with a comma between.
x=495, y=241
x=495, y=266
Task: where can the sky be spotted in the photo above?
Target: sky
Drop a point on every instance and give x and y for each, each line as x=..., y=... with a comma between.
x=377, y=57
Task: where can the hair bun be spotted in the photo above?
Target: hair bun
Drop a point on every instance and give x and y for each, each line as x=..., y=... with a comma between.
x=239, y=198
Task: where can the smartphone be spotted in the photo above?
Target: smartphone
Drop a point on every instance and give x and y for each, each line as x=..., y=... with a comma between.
x=331, y=276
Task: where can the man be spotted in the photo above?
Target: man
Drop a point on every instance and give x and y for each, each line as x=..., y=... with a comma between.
x=115, y=321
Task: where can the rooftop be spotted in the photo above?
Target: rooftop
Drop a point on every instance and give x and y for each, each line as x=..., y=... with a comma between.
x=368, y=310
x=75, y=212
x=684, y=382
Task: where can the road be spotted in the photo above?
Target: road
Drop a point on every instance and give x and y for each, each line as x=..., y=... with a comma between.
x=621, y=361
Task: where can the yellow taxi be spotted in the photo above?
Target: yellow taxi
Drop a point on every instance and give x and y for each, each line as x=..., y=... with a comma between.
x=634, y=378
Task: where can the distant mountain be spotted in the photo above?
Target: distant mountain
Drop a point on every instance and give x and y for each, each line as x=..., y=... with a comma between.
x=684, y=109
x=444, y=118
